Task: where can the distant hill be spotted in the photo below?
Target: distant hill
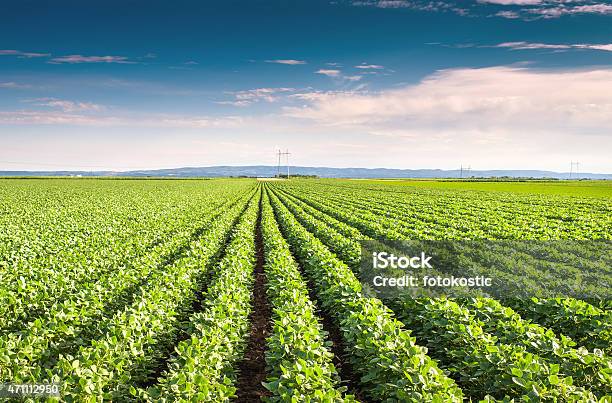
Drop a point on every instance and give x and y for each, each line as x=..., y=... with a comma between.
x=323, y=172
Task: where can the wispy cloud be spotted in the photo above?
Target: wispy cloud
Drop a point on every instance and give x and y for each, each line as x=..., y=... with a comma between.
x=508, y=14
x=523, y=9
x=369, y=66
x=15, y=86
x=328, y=72
x=534, y=45
x=556, y=12
x=75, y=59
x=393, y=4
x=65, y=105
x=512, y=2
x=18, y=53
x=248, y=97
x=339, y=77
x=419, y=5
x=291, y=62
x=313, y=96
x=353, y=78
x=235, y=103
x=30, y=117
x=547, y=9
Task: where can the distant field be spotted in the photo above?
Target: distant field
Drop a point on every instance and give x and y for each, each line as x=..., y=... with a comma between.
x=567, y=188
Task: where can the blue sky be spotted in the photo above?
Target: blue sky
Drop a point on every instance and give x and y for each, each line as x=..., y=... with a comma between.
x=402, y=84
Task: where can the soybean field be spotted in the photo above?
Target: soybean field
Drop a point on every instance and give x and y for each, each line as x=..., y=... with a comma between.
x=245, y=290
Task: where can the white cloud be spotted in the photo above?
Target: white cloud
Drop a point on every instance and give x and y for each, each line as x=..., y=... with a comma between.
x=494, y=117
x=75, y=59
x=67, y=106
x=247, y=97
x=18, y=53
x=353, y=78
x=535, y=45
x=512, y=2
x=291, y=62
x=328, y=72
x=323, y=95
x=512, y=99
x=593, y=8
x=234, y=103
x=369, y=66
x=556, y=12
x=393, y=4
x=66, y=118
x=498, y=117
x=54, y=118
x=607, y=47
x=508, y=14
x=14, y=86
x=529, y=45
x=421, y=5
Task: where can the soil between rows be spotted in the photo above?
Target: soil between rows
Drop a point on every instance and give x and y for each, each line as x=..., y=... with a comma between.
x=349, y=378
x=252, y=368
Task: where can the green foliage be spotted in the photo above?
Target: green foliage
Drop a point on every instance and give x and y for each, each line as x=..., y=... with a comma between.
x=141, y=290
x=392, y=366
x=202, y=369
x=298, y=359
x=519, y=338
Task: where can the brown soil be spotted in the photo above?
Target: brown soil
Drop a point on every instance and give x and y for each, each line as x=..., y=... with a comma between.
x=252, y=369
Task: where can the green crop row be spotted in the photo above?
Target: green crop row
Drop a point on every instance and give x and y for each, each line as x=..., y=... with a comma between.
x=392, y=366
x=478, y=347
x=593, y=370
x=586, y=324
x=587, y=327
x=86, y=314
x=299, y=362
x=54, y=252
x=203, y=369
x=495, y=214
x=138, y=336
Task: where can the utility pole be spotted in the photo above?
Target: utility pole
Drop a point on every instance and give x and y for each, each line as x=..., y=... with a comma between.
x=461, y=172
x=287, y=154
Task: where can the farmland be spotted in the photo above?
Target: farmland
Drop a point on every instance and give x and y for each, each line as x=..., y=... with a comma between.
x=213, y=290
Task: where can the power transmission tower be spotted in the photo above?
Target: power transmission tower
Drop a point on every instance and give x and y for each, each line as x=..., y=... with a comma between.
x=577, y=165
x=279, y=153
